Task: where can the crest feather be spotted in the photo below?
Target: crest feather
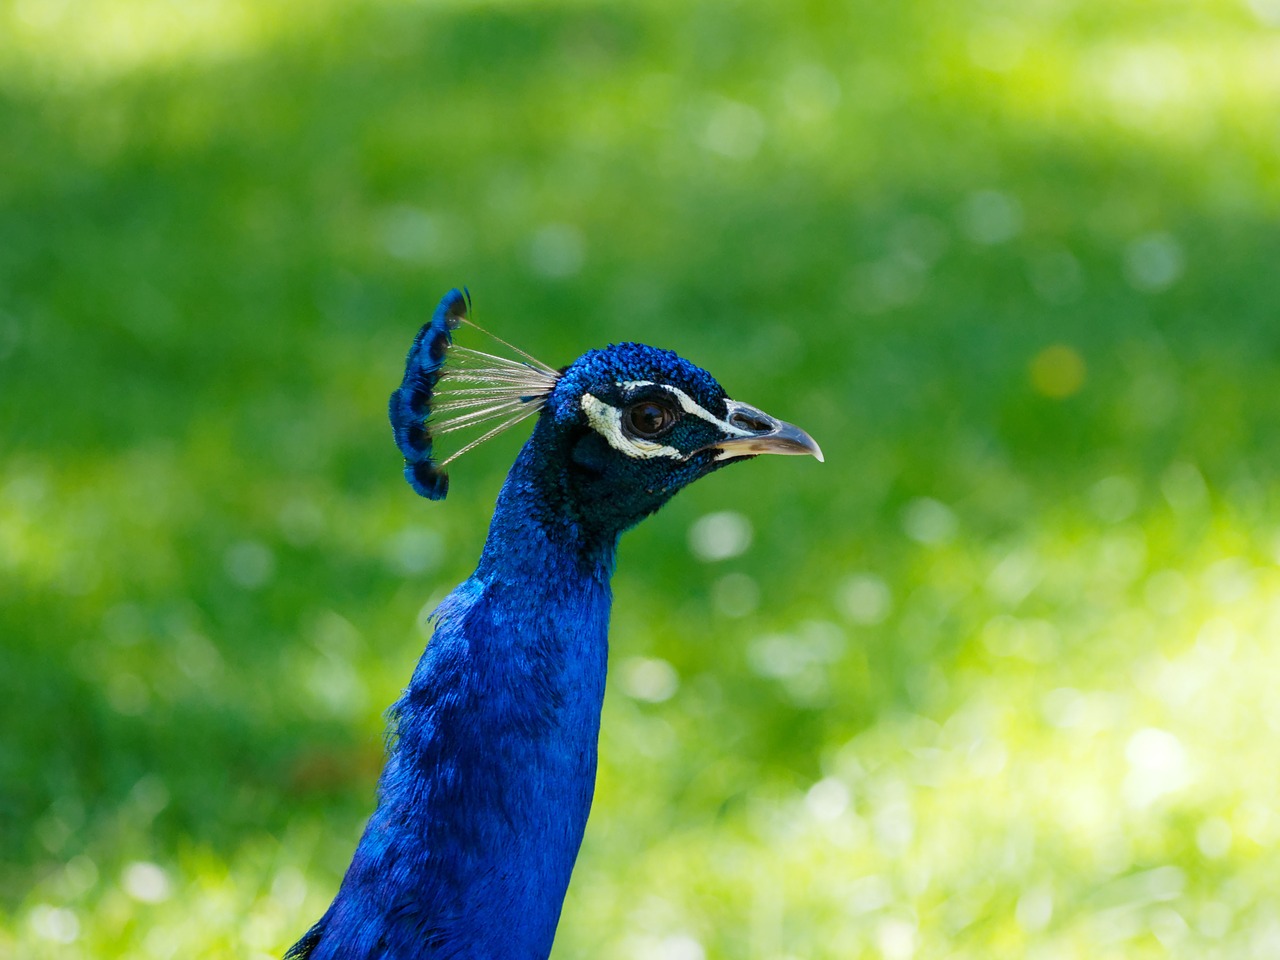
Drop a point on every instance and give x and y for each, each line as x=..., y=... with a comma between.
x=448, y=388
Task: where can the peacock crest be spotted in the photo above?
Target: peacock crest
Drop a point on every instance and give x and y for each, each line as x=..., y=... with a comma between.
x=449, y=388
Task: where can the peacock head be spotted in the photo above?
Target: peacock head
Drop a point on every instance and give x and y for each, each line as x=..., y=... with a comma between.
x=630, y=425
x=620, y=430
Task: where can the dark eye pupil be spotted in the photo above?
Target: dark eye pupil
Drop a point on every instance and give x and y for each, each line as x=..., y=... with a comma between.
x=648, y=418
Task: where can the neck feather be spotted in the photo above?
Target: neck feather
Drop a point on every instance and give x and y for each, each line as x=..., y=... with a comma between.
x=485, y=796
x=539, y=520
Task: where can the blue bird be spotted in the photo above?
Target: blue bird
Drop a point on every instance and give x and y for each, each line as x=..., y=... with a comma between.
x=492, y=751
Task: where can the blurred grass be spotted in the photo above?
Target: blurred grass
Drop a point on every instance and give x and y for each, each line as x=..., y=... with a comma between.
x=997, y=680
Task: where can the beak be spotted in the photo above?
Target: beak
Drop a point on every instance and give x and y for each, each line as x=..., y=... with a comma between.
x=753, y=432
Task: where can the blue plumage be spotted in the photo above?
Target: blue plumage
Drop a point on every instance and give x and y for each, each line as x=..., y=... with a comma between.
x=484, y=798
x=412, y=401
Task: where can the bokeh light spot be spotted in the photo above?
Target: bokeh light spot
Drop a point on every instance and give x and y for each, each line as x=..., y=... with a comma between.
x=810, y=93
x=991, y=216
x=289, y=888
x=1145, y=81
x=1034, y=909
x=557, y=251
x=896, y=939
x=1267, y=11
x=1014, y=577
x=720, y=536
x=414, y=551
x=1057, y=371
x=1153, y=262
x=1158, y=765
x=865, y=599
x=1113, y=499
x=411, y=234
x=79, y=876
x=776, y=655
x=734, y=130
x=1213, y=837
x=249, y=564
x=301, y=521
x=929, y=521
x=128, y=694
x=736, y=595
x=1230, y=580
x=1184, y=488
x=828, y=799
x=57, y=924
x=146, y=882
x=651, y=679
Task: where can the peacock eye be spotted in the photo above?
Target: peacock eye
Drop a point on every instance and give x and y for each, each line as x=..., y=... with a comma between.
x=648, y=418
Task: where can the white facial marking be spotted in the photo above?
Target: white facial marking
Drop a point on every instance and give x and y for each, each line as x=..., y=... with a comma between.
x=689, y=406
x=607, y=421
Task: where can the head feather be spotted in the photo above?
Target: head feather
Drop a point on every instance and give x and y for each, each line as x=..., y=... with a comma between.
x=448, y=388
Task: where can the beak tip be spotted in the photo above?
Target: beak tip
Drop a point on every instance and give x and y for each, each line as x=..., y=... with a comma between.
x=769, y=436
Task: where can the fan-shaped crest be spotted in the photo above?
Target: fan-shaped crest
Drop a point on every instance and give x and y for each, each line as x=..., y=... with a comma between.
x=450, y=388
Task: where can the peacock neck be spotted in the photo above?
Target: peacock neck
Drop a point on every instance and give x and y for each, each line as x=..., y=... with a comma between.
x=484, y=799
x=539, y=532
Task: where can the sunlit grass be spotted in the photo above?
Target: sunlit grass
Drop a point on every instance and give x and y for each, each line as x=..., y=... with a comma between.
x=72, y=42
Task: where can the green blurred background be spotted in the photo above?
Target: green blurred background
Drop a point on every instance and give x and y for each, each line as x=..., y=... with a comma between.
x=997, y=680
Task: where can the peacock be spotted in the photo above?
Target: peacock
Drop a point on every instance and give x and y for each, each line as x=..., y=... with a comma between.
x=491, y=759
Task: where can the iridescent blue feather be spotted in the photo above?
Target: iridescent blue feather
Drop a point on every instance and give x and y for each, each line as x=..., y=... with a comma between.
x=411, y=403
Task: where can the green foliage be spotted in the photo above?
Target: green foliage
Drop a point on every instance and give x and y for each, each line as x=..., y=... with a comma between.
x=997, y=680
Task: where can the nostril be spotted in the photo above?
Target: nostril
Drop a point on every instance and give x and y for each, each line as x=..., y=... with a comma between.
x=745, y=421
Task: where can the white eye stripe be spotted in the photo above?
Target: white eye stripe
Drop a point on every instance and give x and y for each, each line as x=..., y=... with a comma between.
x=606, y=420
x=689, y=406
